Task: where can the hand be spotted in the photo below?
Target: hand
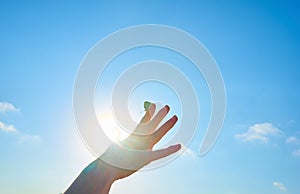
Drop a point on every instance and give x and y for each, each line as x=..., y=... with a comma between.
x=136, y=150
x=133, y=153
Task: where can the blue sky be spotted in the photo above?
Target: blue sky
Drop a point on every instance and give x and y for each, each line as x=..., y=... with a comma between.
x=255, y=43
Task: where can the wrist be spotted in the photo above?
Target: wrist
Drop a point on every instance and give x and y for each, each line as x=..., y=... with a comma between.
x=96, y=178
x=105, y=170
x=103, y=174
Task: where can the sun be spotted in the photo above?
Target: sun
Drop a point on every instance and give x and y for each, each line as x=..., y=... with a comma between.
x=113, y=131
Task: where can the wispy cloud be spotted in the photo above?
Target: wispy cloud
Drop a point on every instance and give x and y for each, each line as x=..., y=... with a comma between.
x=296, y=153
x=259, y=132
x=7, y=107
x=292, y=140
x=280, y=186
x=22, y=137
x=29, y=138
x=7, y=128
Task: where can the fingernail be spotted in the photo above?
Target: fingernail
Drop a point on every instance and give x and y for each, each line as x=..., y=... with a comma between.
x=175, y=118
x=176, y=147
x=167, y=107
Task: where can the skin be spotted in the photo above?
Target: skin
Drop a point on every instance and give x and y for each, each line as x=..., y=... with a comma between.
x=98, y=176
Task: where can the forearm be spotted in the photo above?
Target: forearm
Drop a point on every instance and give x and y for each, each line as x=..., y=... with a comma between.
x=96, y=178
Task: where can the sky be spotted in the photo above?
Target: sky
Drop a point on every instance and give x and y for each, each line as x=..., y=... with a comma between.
x=255, y=44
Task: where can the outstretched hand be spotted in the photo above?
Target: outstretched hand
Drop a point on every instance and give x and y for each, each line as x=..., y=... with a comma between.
x=136, y=150
x=123, y=159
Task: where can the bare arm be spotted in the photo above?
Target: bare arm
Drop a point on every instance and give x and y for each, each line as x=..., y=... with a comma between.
x=98, y=177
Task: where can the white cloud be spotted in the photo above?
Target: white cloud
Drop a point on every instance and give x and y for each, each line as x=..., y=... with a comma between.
x=280, y=186
x=259, y=132
x=292, y=140
x=8, y=107
x=22, y=137
x=296, y=152
x=7, y=128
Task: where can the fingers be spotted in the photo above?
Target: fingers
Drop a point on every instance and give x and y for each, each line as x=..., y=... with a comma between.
x=157, y=135
x=158, y=117
x=149, y=114
x=155, y=155
x=142, y=126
